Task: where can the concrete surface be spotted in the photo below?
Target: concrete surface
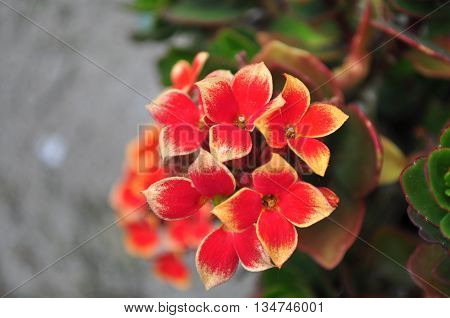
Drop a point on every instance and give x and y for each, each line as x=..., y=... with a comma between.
x=63, y=127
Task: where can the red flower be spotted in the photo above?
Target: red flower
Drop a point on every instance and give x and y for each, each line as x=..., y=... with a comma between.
x=183, y=130
x=179, y=197
x=297, y=124
x=170, y=268
x=234, y=105
x=184, y=75
x=277, y=203
x=141, y=237
x=220, y=252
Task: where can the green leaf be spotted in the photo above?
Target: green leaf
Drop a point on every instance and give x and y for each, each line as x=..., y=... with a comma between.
x=445, y=226
x=356, y=158
x=148, y=5
x=229, y=42
x=428, y=231
x=203, y=13
x=445, y=138
x=418, y=194
x=428, y=66
x=283, y=58
x=438, y=167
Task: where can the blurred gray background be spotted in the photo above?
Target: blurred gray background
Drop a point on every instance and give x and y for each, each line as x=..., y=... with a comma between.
x=63, y=127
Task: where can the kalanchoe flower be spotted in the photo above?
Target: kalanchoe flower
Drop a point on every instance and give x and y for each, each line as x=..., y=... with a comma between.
x=183, y=130
x=298, y=124
x=220, y=252
x=141, y=237
x=234, y=105
x=179, y=197
x=183, y=75
x=278, y=202
x=170, y=267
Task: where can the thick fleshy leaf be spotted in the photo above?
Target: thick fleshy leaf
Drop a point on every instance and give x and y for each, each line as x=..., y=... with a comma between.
x=328, y=241
x=229, y=142
x=171, y=268
x=423, y=265
x=303, y=65
x=180, y=139
x=356, y=65
x=174, y=107
x=418, y=194
x=240, y=210
x=312, y=151
x=303, y=204
x=357, y=172
x=277, y=235
x=251, y=253
x=297, y=98
x=438, y=166
x=210, y=176
x=252, y=89
x=273, y=128
x=217, y=99
x=180, y=75
x=141, y=238
x=174, y=198
x=445, y=138
x=445, y=226
x=394, y=161
x=216, y=258
x=275, y=176
x=321, y=120
x=427, y=230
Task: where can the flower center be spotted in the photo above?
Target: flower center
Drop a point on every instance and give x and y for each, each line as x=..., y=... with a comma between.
x=269, y=200
x=240, y=122
x=290, y=132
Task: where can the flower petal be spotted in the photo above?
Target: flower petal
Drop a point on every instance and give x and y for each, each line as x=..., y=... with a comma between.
x=297, y=100
x=275, y=103
x=180, y=75
x=229, y=142
x=315, y=153
x=240, y=210
x=252, y=88
x=174, y=198
x=277, y=235
x=210, y=176
x=141, y=238
x=197, y=65
x=251, y=253
x=331, y=197
x=170, y=268
x=216, y=259
x=321, y=120
x=275, y=176
x=174, y=107
x=271, y=125
x=226, y=74
x=180, y=139
x=303, y=204
x=217, y=99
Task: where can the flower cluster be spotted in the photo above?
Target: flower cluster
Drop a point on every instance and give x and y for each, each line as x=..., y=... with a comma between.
x=145, y=236
x=214, y=121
